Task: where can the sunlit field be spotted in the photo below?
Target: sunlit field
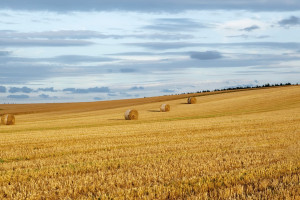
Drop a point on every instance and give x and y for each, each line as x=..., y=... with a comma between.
x=235, y=145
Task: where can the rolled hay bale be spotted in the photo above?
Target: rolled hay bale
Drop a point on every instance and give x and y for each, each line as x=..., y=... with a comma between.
x=165, y=108
x=131, y=114
x=8, y=119
x=192, y=100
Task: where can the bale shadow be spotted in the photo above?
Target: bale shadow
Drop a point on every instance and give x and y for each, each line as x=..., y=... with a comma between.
x=154, y=110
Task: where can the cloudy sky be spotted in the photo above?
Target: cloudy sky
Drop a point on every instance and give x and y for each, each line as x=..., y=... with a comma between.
x=90, y=50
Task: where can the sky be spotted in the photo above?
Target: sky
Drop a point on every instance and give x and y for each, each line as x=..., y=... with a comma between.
x=94, y=50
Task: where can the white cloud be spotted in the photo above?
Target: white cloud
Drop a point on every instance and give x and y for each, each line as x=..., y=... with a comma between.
x=238, y=25
x=143, y=49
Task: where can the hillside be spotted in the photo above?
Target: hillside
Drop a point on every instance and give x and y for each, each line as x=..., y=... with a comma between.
x=241, y=144
x=101, y=105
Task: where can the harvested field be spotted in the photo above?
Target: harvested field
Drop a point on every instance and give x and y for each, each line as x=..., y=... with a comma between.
x=243, y=144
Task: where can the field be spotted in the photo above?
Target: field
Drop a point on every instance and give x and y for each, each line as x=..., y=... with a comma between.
x=236, y=145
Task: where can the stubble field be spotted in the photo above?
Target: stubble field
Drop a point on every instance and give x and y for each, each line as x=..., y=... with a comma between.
x=239, y=145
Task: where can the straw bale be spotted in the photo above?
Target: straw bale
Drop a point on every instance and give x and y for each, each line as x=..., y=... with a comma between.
x=192, y=100
x=131, y=114
x=8, y=119
x=165, y=108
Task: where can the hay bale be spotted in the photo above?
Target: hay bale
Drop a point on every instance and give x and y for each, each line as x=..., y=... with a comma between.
x=8, y=119
x=165, y=108
x=192, y=100
x=131, y=114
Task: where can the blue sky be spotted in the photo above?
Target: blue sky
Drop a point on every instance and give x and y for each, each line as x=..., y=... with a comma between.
x=71, y=51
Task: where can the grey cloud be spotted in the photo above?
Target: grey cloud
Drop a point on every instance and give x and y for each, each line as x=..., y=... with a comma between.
x=78, y=59
x=8, y=23
x=72, y=34
x=22, y=73
x=19, y=73
x=127, y=70
x=22, y=96
x=5, y=53
x=48, y=43
x=178, y=45
x=137, y=88
x=50, y=89
x=250, y=28
x=85, y=34
x=57, y=35
x=125, y=94
x=98, y=98
x=253, y=72
x=239, y=36
x=5, y=15
x=175, y=24
x=88, y=90
x=292, y=21
x=150, y=6
x=207, y=55
x=29, y=90
x=20, y=89
x=167, y=91
x=146, y=53
x=272, y=45
x=164, y=36
x=112, y=94
x=163, y=45
x=239, y=61
x=6, y=59
x=2, y=89
x=244, y=36
x=65, y=59
x=44, y=96
x=262, y=36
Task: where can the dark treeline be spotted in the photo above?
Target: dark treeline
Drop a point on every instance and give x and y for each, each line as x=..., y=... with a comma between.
x=243, y=87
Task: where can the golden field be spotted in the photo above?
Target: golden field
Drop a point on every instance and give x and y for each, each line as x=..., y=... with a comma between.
x=236, y=145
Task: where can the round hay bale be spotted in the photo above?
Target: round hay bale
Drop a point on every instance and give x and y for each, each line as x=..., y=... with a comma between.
x=192, y=100
x=131, y=114
x=8, y=119
x=165, y=108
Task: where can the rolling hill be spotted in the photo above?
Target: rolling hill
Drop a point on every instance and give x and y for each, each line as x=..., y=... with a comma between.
x=239, y=144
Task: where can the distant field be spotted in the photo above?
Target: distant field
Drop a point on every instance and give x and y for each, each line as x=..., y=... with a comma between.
x=236, y=145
